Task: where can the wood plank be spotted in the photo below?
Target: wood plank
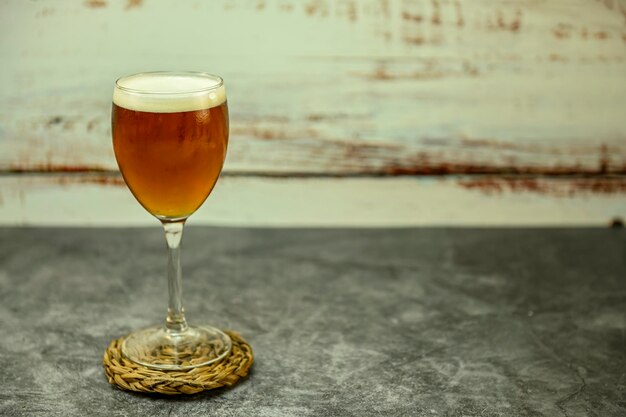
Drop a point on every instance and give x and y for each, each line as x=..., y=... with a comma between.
x=339, y=88
x=104, y=200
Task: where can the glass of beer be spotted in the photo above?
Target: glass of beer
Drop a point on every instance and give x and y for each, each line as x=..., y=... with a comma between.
x=170, y=134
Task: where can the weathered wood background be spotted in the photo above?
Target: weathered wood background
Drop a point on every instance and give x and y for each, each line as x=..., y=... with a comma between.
x=373, y=112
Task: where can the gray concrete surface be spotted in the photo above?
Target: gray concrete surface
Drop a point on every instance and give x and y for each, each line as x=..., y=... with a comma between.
x=406, y=322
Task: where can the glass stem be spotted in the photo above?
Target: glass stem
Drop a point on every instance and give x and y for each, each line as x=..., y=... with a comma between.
x=175, y=321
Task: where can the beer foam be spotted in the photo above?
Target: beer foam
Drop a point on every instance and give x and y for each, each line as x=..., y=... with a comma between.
x=169, y=92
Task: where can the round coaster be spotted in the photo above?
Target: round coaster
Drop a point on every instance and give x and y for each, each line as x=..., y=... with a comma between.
x=130, y=376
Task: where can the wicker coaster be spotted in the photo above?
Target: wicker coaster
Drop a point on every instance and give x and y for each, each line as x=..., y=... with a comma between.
x=130, y=376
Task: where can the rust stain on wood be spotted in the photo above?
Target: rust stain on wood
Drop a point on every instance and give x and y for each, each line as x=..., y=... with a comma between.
x=383, y=74
x=436, y=16
x=319, y=117
x=557, y=182
x=495, y=144
x=601, y=35
x=53, y=168
x=412, y=17
x=55, y=120
x=95, y=4
x=132, y=4
x=567, y=31
x=92, y=124
x=584, y=33
x=515, y=25
x=427, y=168
x=557, y=58
x=319, y=143
x=562, y=31
x=436, y=13
x=604, y=151
x=460, y=20
x=112, y=179
x=348, y=9
x=384, y=7
x=499, y=22
x=502, y=25
x=489, y=184
x=414, y=40
x=568, y=187
x=316, y=7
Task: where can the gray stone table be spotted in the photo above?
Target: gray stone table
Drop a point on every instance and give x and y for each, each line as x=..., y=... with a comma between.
x=430, y=322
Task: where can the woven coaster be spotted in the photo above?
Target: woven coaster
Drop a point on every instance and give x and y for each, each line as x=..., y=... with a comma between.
x=130, y=376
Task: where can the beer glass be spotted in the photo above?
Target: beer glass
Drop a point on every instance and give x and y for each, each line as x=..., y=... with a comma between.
x=170, y=134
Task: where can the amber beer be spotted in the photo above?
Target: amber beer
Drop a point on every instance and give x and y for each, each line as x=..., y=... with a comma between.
x=170, y=146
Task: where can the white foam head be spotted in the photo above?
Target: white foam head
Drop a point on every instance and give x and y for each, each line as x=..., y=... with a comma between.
x=169, y=92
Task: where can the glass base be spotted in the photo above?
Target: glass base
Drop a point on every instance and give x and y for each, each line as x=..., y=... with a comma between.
x=160, y=348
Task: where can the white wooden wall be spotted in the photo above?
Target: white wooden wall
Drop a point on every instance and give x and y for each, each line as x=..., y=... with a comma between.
x=373, y=112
